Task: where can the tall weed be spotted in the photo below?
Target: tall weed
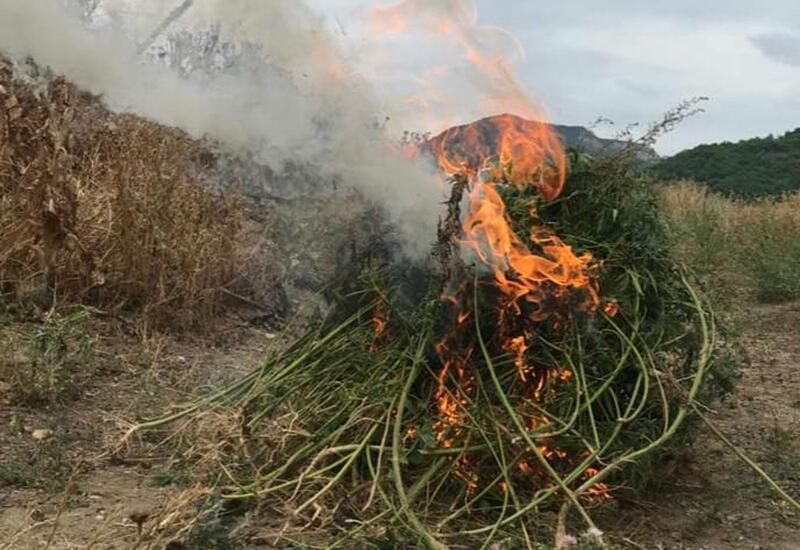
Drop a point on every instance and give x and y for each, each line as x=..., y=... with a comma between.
x=105, y=210
x=43, y=365
x=737, y=245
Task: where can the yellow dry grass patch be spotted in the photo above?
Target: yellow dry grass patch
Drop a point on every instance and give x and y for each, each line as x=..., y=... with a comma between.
x=105, y=210
x=737, y=243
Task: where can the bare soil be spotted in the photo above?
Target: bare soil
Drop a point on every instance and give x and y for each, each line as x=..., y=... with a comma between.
x=68, y=491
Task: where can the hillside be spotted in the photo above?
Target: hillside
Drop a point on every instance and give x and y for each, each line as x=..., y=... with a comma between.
x=572, y=137
x=584, y=140
x=754, y=167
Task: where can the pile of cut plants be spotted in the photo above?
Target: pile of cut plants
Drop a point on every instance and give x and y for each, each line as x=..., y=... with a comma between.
x=540, y=362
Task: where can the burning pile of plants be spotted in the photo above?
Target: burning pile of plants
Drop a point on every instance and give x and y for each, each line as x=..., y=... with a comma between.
x=544, y=357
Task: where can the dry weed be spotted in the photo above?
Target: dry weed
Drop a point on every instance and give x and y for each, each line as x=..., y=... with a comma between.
x=103, y=210
x=737, y=243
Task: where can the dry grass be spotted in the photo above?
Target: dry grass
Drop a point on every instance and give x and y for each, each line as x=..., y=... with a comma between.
x=103, y=210
x=737, y=244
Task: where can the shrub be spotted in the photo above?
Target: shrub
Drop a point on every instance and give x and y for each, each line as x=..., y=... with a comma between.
x=41, y=366
x=700, y=237
x=403, y=408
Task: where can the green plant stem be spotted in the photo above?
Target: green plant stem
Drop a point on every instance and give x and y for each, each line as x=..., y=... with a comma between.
x=515, y=419
x=405, y=505
x=746, y=459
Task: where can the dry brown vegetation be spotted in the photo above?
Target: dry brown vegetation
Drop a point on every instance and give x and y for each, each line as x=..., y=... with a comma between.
x=103, y=210
x=738, y=245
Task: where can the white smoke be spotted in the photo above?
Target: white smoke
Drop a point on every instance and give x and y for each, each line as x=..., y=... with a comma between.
x=313, y=110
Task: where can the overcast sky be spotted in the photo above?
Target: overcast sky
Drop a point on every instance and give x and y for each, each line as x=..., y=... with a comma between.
x=630, y=60
x=625, y=60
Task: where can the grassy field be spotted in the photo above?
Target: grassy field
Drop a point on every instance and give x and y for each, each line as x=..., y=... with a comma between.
x=740, y=247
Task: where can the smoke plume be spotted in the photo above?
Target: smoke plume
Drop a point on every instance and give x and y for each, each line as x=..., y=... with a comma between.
x=313, y=109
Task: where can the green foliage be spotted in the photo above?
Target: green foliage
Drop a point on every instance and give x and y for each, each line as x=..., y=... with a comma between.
x=164, y=478
x=17, y=475
x=41, y=366
x=614, y=212
x=697, y=235
x=774, y=266
x=752, y=168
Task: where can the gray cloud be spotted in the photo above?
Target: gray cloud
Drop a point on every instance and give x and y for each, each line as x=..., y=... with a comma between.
x=782, y=47
x=627, y=60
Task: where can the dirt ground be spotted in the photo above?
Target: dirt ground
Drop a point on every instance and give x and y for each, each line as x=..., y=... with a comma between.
x=62, y=489
x=68, y=489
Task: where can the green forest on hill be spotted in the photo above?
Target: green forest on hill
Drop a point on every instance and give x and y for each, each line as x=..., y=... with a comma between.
x=754, y=167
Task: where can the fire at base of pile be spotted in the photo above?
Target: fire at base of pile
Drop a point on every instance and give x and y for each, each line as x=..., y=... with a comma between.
x=471, y=418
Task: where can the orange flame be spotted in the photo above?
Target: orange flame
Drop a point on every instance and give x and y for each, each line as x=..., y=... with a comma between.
x=539, y=277
x=485, y=48
x=501, y=151
x=598, y=492
x=379, y=320
x=536, y=275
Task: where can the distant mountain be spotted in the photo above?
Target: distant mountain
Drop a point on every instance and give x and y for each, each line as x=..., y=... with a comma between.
x=584, y=140
x=572, y=137
x=753, y=167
